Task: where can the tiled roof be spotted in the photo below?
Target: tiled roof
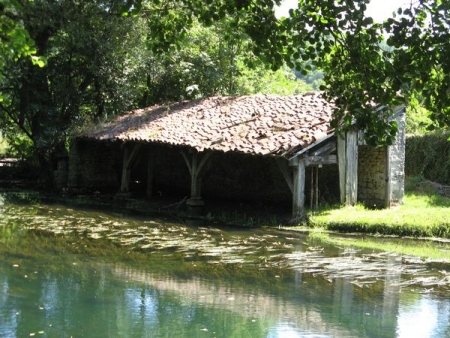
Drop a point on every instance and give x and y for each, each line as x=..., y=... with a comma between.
x=260, y=124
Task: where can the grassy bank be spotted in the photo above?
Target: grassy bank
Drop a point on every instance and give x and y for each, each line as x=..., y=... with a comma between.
x=430, y=251
x=424, y=213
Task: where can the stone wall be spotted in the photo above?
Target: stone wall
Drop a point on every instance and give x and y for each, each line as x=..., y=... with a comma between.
x=372, y=176
x=378, y=178
x=94, y=166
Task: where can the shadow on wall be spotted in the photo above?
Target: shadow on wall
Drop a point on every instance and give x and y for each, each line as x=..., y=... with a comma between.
x=238, y=178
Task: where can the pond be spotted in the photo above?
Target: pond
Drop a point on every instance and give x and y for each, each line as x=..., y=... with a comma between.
x=73, y=272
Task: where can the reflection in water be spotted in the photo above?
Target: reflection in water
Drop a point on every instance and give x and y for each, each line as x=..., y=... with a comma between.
x=104, y=300
x=196, y=281
x=426, y=317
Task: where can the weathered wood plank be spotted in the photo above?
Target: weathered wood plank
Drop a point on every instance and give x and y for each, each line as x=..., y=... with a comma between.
x=298, y=208
x=342, y=167
x=317, y=188
x=326, y=149
x=293, y=162
x=316, y=160
x=311, y=198
x=351, y=186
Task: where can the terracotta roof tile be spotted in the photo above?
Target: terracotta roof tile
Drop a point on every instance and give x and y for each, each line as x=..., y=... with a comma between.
x=261, y=124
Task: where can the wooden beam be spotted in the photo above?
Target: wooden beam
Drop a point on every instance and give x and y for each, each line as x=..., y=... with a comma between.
x=326, y=149
x=317, y=187
x=202, y=167
x=286, y=171
x=298, y=202
x=341, y=165
x=316, y=160
x=186, y=160
x=351, y=186
x=311, y=198
x=129, y=157
x=197, y=168
x=293, y=162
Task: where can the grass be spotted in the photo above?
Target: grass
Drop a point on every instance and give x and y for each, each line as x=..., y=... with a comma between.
x=424, y=213
x=431, y=251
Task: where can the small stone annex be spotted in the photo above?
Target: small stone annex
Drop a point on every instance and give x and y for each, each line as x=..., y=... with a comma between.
x=263, y=148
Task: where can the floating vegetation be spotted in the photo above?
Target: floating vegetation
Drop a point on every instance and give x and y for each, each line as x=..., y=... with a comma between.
x=255, y=250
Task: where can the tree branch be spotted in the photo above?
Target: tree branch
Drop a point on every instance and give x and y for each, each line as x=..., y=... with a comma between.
x=11, y=116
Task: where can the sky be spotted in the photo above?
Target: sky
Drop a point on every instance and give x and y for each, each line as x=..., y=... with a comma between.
x=379, y=10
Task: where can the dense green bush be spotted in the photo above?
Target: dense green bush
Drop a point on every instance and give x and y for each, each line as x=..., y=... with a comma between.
x=429, y=156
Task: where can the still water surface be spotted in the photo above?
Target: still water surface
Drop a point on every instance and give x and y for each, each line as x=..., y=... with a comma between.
x=69, y=272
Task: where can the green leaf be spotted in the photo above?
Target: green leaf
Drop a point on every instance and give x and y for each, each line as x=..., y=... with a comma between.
x=367, y=21
x=38, y=60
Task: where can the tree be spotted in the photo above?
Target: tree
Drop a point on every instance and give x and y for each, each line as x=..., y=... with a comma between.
x=212, y=61
x=360, y=70
x=98, y=65
x=92, y=69
x=15, y=41
x=339, y=38
x=86, y=53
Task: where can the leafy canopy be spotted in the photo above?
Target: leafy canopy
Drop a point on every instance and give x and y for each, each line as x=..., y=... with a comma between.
x=101, y=62
x=365, y=63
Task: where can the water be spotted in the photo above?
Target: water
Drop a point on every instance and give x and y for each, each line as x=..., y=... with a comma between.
x=68, y=272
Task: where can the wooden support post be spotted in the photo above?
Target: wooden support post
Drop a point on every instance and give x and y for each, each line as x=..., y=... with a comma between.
x=150, y=170
x=312, y=189
x=298, y=203
x=129, y=156
x=317, y=187
x=351, y=186
x=314, y=200
x=286, y=171
x=342, y=167
x=197, y=167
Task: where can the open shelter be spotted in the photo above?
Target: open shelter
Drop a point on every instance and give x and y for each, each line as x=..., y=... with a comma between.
x=262, y=147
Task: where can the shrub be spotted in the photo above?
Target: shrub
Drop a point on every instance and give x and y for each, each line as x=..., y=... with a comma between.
x=428, y=156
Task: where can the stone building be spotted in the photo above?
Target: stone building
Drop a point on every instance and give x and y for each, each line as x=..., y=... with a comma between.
x=264, y=148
